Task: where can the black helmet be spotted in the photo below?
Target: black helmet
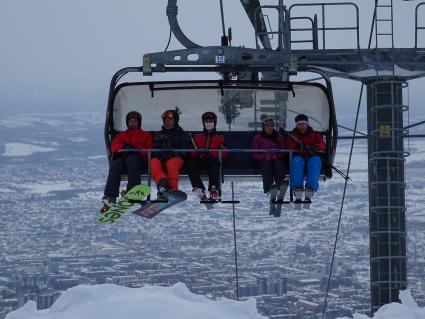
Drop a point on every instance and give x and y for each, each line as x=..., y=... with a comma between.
x=136, y=115
x=175, y=114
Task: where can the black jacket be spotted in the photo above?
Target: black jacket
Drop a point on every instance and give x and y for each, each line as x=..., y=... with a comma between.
x=171, y=138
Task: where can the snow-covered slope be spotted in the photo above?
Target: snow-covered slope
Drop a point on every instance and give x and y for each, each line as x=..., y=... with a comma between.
x=177, y=302
x=111, y=302
x=408, y=309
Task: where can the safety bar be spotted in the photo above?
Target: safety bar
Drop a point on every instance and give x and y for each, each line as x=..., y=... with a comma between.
x=418, y=28
x=324, y=28
x=205, y=150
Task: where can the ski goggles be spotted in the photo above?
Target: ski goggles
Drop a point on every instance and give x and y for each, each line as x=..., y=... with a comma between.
x=167, y=115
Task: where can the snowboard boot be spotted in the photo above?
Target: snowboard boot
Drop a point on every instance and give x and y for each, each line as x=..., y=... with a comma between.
x=124, y=192
x=107, y=201
x=163, y=187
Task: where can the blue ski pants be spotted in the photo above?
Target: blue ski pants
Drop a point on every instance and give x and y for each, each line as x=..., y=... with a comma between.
x=298, y=164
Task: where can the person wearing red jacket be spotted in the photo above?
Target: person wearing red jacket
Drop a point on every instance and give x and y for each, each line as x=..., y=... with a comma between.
x=131, y=162
x=271, y=164
x=208, y=139
x=308, y=144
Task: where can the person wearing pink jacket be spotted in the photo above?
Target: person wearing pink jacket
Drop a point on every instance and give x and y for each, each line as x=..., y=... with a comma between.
x=271, y=164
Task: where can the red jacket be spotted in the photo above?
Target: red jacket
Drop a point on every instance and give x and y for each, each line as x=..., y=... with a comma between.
x=215, y=141
x=132, y=138
x=308, y=139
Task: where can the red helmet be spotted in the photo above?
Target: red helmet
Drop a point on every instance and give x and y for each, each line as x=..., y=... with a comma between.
x=171, y=113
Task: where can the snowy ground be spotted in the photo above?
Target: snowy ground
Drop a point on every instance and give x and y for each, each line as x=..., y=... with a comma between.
x=111, y=302
x=408, y=309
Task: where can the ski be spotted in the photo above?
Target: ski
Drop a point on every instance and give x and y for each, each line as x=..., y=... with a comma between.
x=273, y=193
x=308, y=194
x=280, y=198
x=298, y=194
x=306, y=204
x=209, y=203
x=298, y=204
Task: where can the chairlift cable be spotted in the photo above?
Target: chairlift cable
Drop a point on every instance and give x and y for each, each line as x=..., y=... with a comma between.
x=345, y=176
x=348, y=171
x=342, y=205
x=350, y=129
x=234, y=243
x=412, y=125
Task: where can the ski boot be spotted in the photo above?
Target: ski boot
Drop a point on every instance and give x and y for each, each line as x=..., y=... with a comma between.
x=309, y=192
x=200, y=193
x=107, y=201
x=298, y=194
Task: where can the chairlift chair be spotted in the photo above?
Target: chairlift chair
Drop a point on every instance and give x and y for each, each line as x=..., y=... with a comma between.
x=241, y=104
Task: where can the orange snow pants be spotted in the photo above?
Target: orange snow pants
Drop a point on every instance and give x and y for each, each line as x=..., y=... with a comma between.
x=172, y=168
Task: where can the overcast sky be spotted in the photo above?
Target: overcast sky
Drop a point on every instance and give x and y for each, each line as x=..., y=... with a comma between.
x=61, y=54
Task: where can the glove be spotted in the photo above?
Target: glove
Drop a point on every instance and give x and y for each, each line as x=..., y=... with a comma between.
x=312, y=149
x=300, y=147
x=271, y=157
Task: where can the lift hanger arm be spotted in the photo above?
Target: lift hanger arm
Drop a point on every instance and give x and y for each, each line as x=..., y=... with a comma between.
x=255, y=15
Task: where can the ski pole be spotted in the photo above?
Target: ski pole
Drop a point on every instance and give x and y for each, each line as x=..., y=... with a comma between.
x=346, y=177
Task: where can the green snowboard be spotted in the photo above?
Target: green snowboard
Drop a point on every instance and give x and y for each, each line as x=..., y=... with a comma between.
x=116, y=211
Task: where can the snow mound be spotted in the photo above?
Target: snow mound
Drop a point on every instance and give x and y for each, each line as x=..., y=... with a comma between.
x=112, y=301
x=23, y=149
x=407, y=309
x=46, y=187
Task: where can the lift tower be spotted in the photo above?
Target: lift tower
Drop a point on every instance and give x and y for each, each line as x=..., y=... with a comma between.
x=385, y=71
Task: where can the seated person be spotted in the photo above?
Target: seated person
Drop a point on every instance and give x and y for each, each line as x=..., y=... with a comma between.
x=131, y=162
x=208, y=139
x=166, y=165
x=308, y=144
x=271, y=164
